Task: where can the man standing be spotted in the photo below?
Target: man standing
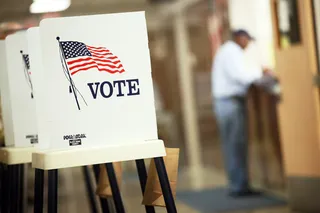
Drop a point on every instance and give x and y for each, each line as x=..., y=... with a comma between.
x=231, y=80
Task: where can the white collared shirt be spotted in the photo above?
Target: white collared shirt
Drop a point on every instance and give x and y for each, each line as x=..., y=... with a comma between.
x=230, y=76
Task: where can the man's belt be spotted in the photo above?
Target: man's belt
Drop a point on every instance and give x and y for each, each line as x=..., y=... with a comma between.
x=234, y=97
x=239, y=98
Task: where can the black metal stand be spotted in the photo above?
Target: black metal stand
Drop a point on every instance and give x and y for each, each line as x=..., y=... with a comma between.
x=21, y=189
x=53, y=191
x=90, y=191
x=12, y=180
x=142, y=172
x=103, y=202
x=4, y=189
x=53, y=188
x=115, y=188
x=38, y=191
x=11, y=186
x=12, y=194
x=165, y=185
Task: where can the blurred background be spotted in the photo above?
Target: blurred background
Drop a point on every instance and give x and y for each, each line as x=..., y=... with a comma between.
x=184, y=36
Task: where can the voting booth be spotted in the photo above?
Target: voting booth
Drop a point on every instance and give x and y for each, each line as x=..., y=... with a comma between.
x=78, y=91
x=17, y=93
x=96, y=100
x=5, y=101
x=19, y=120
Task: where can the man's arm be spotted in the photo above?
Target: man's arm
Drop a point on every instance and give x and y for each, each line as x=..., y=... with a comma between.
x=238, y=72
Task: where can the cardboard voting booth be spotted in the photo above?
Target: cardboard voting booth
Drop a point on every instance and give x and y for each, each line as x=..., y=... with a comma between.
x=35, y=58
x=17, y=94
x=95, y=95
x=5, y=99
x=18, y=113
x=97, y=81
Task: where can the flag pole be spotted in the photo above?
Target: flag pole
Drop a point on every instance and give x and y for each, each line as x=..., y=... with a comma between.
x=68, y=72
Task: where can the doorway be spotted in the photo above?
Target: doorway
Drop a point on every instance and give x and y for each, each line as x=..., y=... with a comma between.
x=296, y=65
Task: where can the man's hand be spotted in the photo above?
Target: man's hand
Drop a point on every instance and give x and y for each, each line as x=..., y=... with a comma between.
x=267, y=71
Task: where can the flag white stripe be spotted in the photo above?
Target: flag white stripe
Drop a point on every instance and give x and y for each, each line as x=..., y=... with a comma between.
x=112, y=61
x=71, y=67
x=102, y=67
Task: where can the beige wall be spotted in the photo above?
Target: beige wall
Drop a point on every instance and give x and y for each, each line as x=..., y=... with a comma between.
x=254, y=16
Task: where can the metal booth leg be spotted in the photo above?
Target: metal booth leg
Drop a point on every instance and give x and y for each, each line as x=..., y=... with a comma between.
x=142, y=172
x=90, y=191
x=21, y=188
x=13, y=180
x=1, y=187
x=103, y=202
x=38, y=191
x=165, y=185
x=4, y=188
x=115, y=188
x=53, y=191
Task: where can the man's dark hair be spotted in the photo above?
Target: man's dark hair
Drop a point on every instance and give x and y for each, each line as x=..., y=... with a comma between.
x=241, y=32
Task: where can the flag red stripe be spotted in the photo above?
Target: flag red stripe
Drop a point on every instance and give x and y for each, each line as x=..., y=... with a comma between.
x=100, y=69
x=97, y=48
x=101, y=55
x=92, y=47
x=104, y=56
x=99, y=64
x=99, y=51
x=92, y=58
x=98, y=61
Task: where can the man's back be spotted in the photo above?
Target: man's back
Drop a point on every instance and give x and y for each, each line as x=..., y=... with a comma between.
x=230, y=76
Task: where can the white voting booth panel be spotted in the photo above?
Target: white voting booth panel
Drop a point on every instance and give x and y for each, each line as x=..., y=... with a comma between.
x=35, y=57
x=97, y=85
x=5, y=99
x=20, y=127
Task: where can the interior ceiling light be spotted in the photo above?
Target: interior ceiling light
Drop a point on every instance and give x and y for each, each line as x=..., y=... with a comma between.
x=49, y=6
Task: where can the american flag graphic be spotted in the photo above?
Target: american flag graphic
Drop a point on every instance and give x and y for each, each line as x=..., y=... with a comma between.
x=27, y=73
x=26, y=60
x=81, y=57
